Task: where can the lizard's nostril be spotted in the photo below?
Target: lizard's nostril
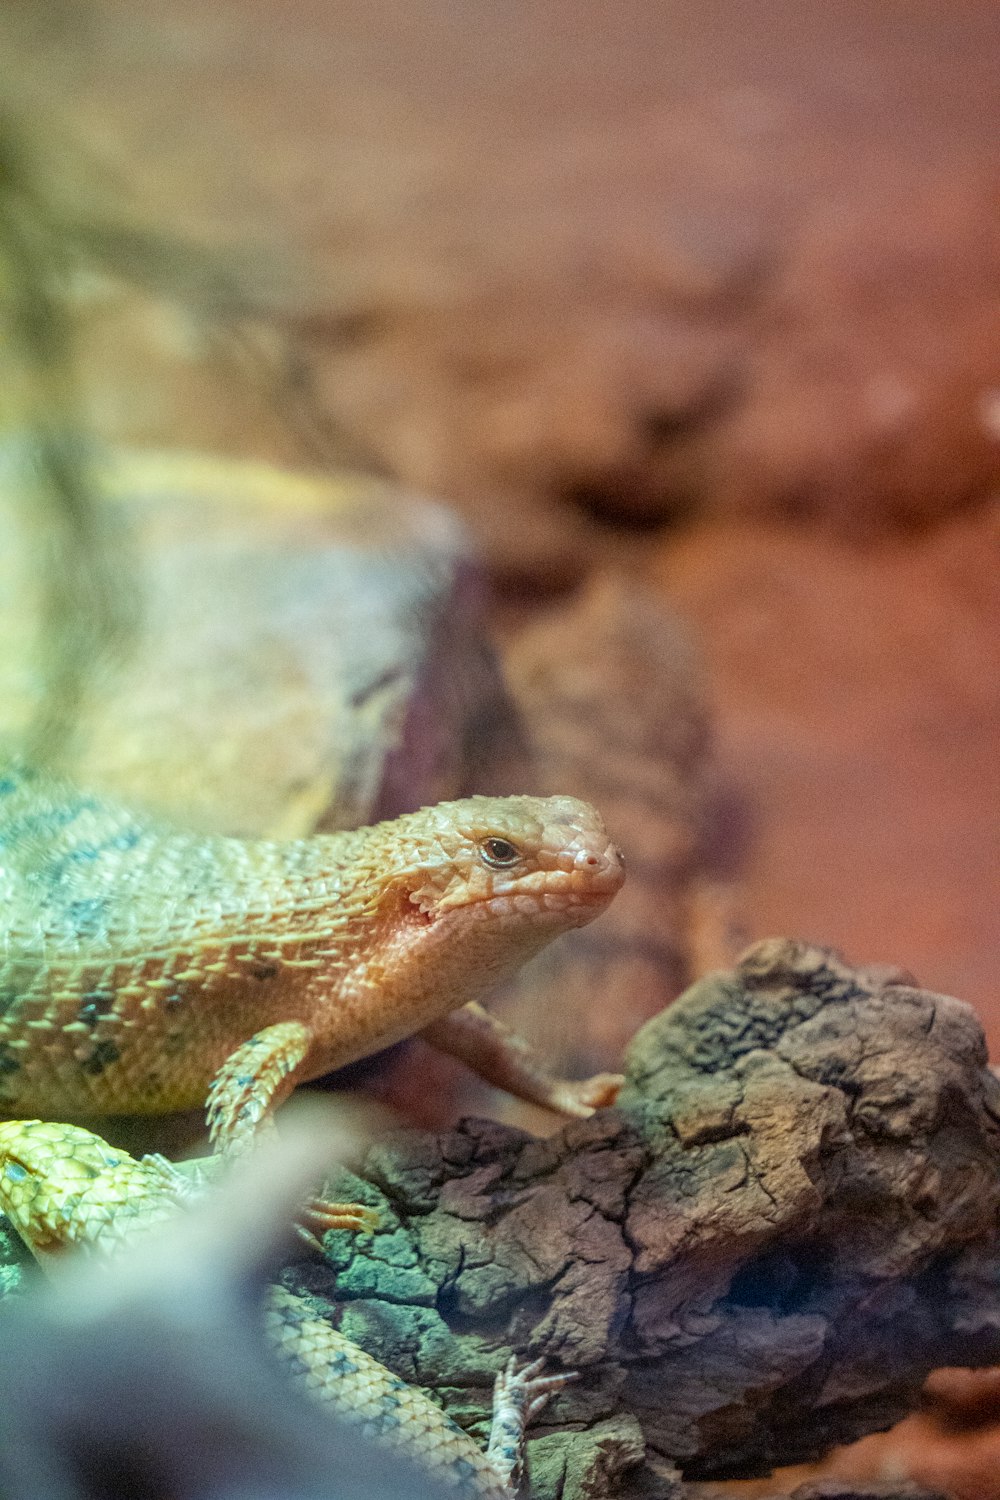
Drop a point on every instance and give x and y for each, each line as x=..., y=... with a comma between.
x=592, y=861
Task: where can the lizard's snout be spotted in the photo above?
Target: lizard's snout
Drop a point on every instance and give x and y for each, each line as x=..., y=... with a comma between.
x=604, y=869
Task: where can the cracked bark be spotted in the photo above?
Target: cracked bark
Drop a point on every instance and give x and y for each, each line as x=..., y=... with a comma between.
x=791, y=1217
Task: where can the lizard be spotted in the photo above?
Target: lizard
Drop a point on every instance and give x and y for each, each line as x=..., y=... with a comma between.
x=62, y=1186
x=145, y=969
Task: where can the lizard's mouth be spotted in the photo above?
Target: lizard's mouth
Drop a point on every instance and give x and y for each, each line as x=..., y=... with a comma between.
x=417, y=915
x=571, y=897
x=531, y=906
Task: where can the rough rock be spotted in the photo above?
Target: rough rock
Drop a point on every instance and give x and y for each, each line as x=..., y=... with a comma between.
x=790, y=1219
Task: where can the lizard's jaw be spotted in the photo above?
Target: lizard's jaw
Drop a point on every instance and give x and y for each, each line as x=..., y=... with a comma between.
x=546, y=905
x=567, y=889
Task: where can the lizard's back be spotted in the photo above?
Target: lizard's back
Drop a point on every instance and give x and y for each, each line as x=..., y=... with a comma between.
x=132, y=952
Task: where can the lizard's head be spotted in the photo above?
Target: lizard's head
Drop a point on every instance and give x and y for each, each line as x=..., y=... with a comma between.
x=45, y=1168
x=61, y=1185
x=528, y=862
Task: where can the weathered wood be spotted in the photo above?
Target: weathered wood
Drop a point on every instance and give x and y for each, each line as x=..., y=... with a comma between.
x=790, y=1219
x=846, y=1489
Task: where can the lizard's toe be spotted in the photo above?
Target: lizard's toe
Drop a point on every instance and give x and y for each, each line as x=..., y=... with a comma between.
x=527, y=1390
x=588, y=1094
x=320, y=1214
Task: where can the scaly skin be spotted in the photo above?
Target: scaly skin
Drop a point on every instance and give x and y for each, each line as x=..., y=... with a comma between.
x=144, y=970
x=61, y=1186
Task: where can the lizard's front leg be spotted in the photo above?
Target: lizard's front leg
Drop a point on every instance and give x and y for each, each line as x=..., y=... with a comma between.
x=506, y=1060
x=243, y=1097
x=252, y=1082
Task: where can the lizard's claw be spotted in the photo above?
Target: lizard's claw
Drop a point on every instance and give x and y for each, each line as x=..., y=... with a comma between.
x=581, y=1098
x=527, y=1390
x=320, y=1214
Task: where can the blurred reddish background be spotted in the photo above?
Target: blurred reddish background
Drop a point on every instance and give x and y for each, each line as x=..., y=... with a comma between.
x=710, y=291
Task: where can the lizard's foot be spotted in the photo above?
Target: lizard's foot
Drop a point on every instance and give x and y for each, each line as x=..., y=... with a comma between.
x=324, y=1215
x=582, y=1097
x=518, y=1397
x=527, y=1391
x=320, y=1214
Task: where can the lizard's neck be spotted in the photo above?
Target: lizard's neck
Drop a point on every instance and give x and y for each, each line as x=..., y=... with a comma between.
x=307, y=886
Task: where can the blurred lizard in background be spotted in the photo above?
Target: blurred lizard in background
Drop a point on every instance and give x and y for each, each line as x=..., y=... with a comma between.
x=61, y=1186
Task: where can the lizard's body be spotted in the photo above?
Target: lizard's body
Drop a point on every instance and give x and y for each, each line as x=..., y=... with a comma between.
x=61, y=1186
x=144, y=969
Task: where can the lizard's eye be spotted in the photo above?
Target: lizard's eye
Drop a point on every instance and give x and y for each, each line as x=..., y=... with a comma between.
x=500, y=853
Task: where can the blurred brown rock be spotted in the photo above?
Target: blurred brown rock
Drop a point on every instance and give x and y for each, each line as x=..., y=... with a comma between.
x=308, y=651
x=836, y=1489
x=612, y=702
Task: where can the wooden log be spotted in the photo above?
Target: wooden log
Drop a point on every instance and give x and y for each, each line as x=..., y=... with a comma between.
x=788, y=1221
